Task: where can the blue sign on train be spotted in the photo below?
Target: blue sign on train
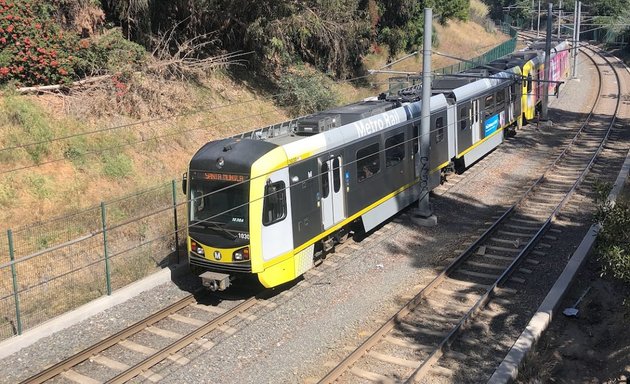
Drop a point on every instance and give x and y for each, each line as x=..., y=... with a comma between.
x=491, y=125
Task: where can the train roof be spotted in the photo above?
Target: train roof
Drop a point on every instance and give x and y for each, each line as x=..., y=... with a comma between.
x=370, y=126
x=238, y=155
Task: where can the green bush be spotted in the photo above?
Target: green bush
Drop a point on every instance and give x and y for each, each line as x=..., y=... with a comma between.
x=306, y=92
x=613, y=241
x=109, y=53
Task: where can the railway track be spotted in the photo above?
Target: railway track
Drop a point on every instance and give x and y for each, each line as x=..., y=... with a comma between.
x=154, y=330
x=122, y=372
x=408, y=347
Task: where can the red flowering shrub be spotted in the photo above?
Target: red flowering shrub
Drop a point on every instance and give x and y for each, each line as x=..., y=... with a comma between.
x=35, y=50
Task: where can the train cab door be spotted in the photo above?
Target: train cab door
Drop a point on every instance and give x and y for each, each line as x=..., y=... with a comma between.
x=475, y=122
x=332, y=190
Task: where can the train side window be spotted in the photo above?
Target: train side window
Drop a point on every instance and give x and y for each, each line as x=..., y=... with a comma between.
x=529, y=83
x=489, y=104
x=394, y=149
x=439, y=128
x=368, y=162
x=325, y=183
x=414, y=139
x=336, y=175
x=500, y=97
x=463, y=118
x=275, y=203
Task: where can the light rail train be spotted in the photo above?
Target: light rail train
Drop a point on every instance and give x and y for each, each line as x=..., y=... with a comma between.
x=271, y=201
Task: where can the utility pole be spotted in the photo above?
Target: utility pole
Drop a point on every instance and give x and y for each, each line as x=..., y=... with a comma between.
x=531, y=26
x=576, y=41
x=559, y=19
x=575, y=12
x=424, y=213
x=538, y=28
x=547, y=73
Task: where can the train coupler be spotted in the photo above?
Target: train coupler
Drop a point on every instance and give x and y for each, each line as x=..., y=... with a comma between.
x=215, y=281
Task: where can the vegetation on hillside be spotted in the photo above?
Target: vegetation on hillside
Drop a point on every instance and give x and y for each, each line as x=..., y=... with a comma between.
x=52, y=42
x=613, y=241
x=612, y=15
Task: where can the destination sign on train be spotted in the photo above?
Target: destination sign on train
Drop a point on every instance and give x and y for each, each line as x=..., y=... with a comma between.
x=213, y=176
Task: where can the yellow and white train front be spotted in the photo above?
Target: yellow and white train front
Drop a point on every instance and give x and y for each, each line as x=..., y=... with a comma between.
x=237, y=196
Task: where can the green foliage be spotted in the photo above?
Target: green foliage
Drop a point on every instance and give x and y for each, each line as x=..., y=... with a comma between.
x=109, y=53
x=117, y=166
x=613, y=241
x=76, y=151
x=401, y=24
x=306, y=92
x=33, y=126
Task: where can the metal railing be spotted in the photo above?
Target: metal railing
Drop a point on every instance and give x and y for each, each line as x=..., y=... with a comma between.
x=54, y=266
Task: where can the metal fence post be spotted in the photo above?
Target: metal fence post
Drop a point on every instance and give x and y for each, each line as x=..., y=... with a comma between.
x=107, y=273
x=174, y=184
x=18, y=317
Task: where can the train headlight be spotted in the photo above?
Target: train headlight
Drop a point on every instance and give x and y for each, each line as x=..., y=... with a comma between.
x=196, y=248
x=241, y=254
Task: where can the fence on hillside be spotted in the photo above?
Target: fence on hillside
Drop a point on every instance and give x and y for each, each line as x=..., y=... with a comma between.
x=48, y=268
x=400, y=82
x=51, y=267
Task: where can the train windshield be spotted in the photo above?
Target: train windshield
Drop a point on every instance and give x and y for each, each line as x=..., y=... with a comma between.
x=219, y=205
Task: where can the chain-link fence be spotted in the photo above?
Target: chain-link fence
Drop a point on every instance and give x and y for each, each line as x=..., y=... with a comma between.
x=503, y=49
x=51, y=267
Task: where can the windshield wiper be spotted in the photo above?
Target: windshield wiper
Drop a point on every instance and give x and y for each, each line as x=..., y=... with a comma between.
x=220, y=228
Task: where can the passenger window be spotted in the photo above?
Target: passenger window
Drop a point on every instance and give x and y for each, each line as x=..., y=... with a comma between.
x=489, y=104
x=394, y=149
x=325, y=183
x=367, y=162
x=336, y=175
x=275, y=203
x=439, y=128
x=463, y=118
x=500, y=97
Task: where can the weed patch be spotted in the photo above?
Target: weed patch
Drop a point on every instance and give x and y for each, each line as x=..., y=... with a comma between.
x=117, y=166
x=7, y=192
x=40, y=186
x=32, y=126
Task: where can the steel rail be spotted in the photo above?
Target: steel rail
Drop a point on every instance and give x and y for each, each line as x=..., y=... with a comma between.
x=183, y=342
x=108, y=342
